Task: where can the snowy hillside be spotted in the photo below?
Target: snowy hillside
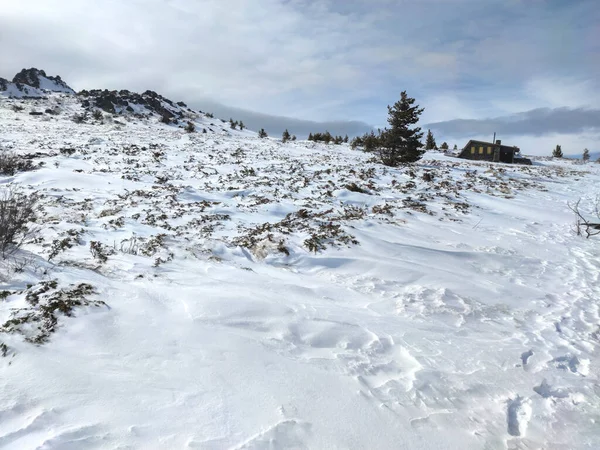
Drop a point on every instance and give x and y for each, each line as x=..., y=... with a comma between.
x=226, y=291
x=33, y=83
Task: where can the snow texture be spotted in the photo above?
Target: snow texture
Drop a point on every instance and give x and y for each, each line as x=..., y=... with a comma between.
x=226, y=291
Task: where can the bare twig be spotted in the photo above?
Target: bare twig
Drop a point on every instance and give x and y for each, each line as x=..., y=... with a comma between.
x=583, y=225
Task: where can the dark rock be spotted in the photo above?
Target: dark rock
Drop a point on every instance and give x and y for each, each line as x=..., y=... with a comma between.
x=36, y=113
x=30, y=77
x=120, y=101
x=3, y=84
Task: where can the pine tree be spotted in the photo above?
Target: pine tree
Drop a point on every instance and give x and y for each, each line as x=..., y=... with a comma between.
x=310, y=137
x=455, y=147
x=370, y=141
x=286, y=136
x=356, y=142
x=233, y=124
x=401, y=144
x=262, y=133
x=430, y=141
x=444, y=146
x=586, y=155
x=242, y=126
x=346, y=139
x=557, y=152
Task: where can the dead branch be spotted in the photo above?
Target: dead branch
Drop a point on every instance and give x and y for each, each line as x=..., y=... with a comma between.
x=583, y=225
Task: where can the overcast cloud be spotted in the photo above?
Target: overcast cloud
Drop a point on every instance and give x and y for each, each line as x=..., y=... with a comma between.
x=532, y=66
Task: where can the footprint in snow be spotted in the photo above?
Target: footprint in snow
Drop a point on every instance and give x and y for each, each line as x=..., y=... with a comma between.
x=525, y=357
x=518, y=416
x=572, y=364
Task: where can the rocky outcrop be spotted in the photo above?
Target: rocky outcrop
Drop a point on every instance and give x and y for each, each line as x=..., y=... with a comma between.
x=115, y=102
x=38, y=79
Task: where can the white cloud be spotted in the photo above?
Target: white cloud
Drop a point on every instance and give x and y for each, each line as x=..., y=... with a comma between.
x=259, y=55
x=317, y=59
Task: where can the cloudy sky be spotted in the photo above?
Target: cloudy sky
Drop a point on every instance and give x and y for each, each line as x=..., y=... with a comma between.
x=527, y=69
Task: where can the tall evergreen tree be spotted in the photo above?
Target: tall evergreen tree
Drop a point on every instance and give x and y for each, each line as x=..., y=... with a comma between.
x=557, y=152
x=430, y=141
x=262, y=133
x=444, y=146
x=586, y=155
x=310, y=137
x=401, y=144
x=346, y=139
x=242, y=126
x=286, y=136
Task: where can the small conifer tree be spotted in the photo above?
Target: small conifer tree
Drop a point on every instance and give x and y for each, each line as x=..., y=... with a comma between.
x=557, y=152
x=286, y=136
x=262, y=133
x=430, y=141
x=586, y=155
x=400, y=144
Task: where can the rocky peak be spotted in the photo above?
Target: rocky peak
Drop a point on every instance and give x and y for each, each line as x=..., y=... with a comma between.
x=38, y=79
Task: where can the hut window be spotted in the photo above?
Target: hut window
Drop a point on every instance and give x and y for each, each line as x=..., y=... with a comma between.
x=489, y=150
x=472, y=150
x=481, y=150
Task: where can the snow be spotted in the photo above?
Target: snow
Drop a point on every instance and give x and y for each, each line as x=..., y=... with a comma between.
x=19, y=91
x=466, y=317
x=52, y=86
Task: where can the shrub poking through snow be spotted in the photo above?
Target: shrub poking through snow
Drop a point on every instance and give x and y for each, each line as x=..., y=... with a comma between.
x=16, y=212
x=80, y=118
x=97, y=115
x=11, y=163
x=100, y=252
x=190, y=127
x=45, y=304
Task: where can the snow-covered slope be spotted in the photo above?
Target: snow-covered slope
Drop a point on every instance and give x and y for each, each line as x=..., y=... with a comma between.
x=236, y=292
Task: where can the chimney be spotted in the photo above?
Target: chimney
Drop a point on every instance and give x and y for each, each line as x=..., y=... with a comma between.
x=498, y=142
